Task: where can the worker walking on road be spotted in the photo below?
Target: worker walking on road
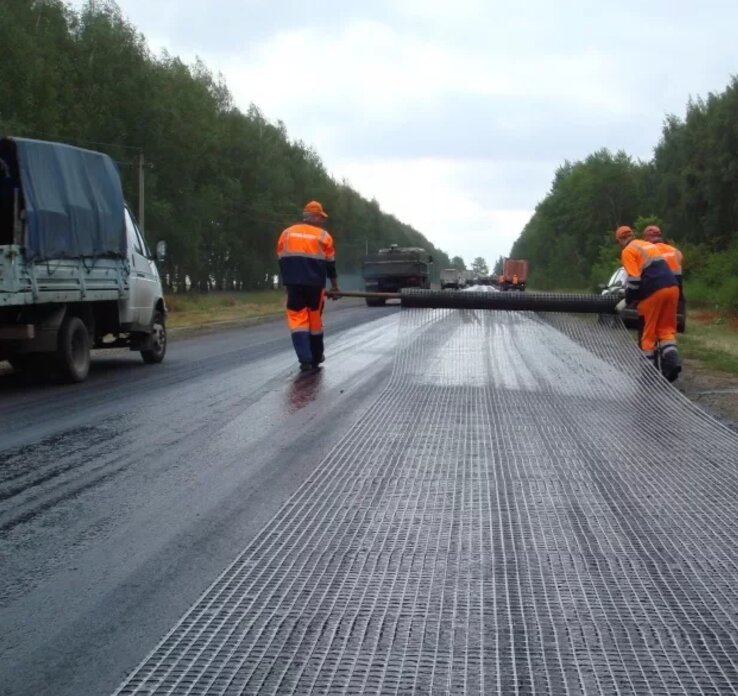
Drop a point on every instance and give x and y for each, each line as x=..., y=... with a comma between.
x=652, y=286
x=306, y=259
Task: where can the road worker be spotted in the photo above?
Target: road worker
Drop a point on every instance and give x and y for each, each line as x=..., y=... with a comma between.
x=671, y=255
x=306, y=259
x=652, y=286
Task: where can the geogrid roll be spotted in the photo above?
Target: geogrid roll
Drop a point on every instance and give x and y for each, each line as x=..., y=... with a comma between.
x=511, y=301
x=528, y=507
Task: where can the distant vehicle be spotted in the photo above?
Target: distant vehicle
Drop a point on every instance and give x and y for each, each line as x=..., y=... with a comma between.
x=75, y=271
x=470, y=278
x=451, y=279
x=395, y=268
x=515, y=274
x=616, y=286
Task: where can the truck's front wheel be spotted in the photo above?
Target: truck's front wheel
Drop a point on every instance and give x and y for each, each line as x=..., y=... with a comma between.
x=158, y=349
x=73, y=352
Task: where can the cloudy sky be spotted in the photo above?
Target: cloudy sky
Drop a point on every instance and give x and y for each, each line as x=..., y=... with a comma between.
x=455, y=114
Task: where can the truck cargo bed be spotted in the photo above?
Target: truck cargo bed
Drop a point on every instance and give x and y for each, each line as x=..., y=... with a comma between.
x=60, y=280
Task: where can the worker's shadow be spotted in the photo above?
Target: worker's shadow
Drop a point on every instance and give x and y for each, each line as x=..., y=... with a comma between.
x=304, y=389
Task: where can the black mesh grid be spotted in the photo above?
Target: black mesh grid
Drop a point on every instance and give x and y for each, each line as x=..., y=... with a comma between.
x=528, y=508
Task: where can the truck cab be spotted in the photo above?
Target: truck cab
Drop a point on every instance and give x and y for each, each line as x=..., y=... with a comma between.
x=451, y=279
x=136, y=311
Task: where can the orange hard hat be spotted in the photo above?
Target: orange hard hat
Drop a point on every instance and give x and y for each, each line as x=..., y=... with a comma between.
x=652, y=231
x=623, y=232
x=314, y=208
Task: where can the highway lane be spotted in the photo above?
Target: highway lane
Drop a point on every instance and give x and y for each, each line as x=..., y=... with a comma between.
x=474, y=502
x=123, y=497
x=529, y=508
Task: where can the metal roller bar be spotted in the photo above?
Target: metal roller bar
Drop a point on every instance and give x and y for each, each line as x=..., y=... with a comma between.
x=514, y=301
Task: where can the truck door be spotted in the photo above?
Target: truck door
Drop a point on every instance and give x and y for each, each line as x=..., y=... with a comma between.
x=144, y=278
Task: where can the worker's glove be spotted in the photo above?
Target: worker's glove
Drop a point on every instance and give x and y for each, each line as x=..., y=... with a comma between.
x=620, y=306
x=332, y=295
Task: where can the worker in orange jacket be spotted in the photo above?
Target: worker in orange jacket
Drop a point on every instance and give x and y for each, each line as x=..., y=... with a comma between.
x=306, y=259
x=672, y=256
x=652, y=286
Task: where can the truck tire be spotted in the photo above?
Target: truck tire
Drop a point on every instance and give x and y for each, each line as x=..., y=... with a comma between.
x=158, y=349
x=73, y=351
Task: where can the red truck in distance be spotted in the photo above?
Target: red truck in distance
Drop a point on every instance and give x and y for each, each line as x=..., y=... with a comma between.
x=514, y=274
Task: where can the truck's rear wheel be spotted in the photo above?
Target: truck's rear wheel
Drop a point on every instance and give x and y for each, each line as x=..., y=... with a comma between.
x=158, y=349
x=73, y=352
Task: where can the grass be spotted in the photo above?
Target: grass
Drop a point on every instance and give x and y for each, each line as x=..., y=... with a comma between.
x=711, y=338
x=201, y=309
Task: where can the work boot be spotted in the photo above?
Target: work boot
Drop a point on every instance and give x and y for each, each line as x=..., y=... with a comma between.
x=320, y=360
x=306, y=367
x=671, y=363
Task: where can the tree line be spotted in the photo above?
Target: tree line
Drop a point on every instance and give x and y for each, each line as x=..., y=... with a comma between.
x=220, y=183
x=689, y=187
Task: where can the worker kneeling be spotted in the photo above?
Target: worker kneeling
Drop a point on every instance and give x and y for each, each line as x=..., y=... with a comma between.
x=652, y=286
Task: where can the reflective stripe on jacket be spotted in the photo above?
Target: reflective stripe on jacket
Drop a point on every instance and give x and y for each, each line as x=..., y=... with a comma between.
x=647, y=270
x=306, y=255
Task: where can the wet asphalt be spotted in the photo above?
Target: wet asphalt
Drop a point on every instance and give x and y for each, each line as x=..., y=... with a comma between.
x=122, y=498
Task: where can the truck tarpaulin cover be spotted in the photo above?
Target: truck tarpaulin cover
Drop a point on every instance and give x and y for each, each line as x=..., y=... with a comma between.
x=73, y=200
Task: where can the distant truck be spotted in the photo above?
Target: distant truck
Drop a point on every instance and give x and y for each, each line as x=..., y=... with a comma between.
x=75, y=271
x=452, y=279
x=514, y=274
x=395, y=268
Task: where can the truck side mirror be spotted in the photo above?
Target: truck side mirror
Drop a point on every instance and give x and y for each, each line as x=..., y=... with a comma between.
x=161, y=251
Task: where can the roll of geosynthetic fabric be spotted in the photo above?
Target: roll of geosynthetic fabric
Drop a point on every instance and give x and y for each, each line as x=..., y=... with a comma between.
x=513, y=301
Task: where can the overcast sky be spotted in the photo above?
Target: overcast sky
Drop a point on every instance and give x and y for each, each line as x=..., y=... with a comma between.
x=455, y=114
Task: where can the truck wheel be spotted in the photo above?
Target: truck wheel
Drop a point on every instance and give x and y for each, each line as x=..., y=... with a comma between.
x=73, y=352
x=158, y=340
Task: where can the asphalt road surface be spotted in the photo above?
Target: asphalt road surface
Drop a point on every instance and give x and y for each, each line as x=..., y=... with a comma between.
x=461, y=502
x=123, y=497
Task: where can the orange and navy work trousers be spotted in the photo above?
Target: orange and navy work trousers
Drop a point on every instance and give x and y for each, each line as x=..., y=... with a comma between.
x=658, y=314
x=305, y=318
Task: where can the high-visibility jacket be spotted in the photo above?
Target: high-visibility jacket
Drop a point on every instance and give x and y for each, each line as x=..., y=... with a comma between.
x=673, y=258
x=306, y=255
x=647, y=270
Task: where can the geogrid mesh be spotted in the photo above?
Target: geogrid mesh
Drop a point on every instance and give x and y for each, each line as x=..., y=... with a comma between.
x=527, y=508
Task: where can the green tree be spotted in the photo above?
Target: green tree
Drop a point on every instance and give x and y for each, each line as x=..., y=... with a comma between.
x=222, y=182
x=457, y=262
x=479, y=266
